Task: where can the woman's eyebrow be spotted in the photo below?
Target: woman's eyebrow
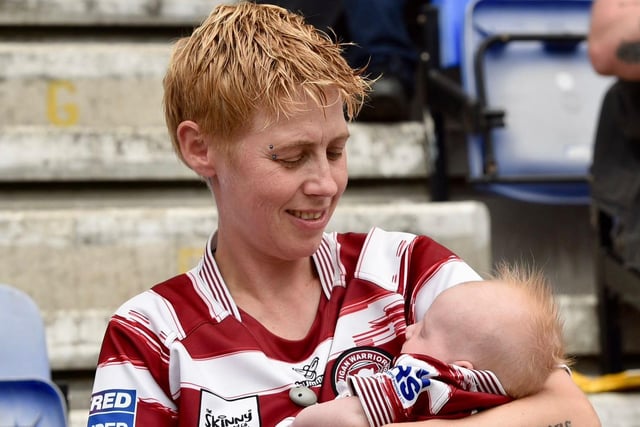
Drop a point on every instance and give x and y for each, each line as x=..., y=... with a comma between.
x=302, y=142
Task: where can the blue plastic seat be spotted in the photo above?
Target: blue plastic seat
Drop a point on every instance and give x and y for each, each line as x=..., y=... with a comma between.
x=28, y=396
x=526, y=63
x=451, y=18
x=33, y=402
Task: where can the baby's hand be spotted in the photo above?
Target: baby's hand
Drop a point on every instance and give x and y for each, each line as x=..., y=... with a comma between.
x=388, y=396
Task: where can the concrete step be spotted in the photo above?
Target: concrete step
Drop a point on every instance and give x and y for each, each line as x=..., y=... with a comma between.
x=87, y=111
x=80, y=264
x=112, y=12
x=91, y=259
x=117, y=153
x=85, y=84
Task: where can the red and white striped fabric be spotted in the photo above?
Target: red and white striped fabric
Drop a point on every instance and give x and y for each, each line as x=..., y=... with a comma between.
x=461, y=391
x=184, y=354
x=419, y=387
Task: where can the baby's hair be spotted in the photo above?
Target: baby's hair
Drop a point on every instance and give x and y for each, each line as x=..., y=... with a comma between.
x=245, y=57
x=542, y=349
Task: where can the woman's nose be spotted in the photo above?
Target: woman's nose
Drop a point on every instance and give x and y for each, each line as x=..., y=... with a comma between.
x=322, y=182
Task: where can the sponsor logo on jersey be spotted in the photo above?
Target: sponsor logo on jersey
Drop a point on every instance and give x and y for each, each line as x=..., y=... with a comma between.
x=112, y=408
x=216, y=411
x=310, y=373
x=359, y=361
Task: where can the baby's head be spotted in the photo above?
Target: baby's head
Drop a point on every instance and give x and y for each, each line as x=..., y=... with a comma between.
x=509, y=324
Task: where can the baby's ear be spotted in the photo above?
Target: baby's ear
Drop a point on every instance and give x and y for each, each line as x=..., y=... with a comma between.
x=464, y=364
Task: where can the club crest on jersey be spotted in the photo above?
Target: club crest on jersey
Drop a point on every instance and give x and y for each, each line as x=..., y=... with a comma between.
x=359, y=361
x=216, y=411
x=112, y=408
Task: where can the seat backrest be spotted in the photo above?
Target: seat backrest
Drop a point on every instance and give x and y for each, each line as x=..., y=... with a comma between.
x=33, y=403
x=28, y=397
x=528, y=59
x=450, y=21
x=23, y=353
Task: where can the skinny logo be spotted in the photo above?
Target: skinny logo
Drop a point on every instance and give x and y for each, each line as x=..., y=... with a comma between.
x=216, y=411
x=211, y=420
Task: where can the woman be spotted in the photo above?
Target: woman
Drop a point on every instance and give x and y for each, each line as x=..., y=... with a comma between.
x=255, y=104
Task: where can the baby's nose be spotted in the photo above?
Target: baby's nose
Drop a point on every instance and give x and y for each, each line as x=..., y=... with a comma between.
x=410, y=331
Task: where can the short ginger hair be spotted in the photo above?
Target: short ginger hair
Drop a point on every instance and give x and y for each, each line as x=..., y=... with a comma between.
x=508, y=324
x=245, y=57
x=541, y=350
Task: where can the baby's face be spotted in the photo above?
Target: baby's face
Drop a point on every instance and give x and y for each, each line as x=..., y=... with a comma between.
x=426, y=337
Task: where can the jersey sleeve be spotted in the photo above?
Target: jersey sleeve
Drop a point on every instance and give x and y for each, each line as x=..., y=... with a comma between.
x=432, y=268
x=132, y=377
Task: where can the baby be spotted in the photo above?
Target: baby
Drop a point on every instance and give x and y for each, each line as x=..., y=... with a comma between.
x=508, y=327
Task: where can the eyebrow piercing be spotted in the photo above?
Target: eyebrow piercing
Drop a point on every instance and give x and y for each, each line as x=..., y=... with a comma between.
x=274, y=156
x=270, y=146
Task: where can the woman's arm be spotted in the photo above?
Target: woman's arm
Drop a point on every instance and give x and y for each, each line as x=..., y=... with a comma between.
x=614, y=38
x=342, y=412
x=560, y=403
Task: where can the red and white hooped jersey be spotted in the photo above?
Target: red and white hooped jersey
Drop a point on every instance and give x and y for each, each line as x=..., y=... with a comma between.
x=183, y=354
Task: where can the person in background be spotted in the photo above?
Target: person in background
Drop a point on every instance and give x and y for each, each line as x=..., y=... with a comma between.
x=614, y=50
x=514, y=361
x=256, y=103
x=379, y=39
x=614, y=38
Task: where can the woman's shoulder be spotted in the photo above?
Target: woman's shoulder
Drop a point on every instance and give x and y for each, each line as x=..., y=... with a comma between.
x=161, y=308
x=380, y=255
x=388, y=243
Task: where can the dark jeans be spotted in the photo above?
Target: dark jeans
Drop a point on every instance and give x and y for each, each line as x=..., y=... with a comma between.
x=615, y=171
x=380, y=30
x=377, y=27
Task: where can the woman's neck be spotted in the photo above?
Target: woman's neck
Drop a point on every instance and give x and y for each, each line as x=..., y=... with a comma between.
x=282, y=295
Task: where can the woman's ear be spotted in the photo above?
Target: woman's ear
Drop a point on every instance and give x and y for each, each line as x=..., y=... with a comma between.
x=195, y=150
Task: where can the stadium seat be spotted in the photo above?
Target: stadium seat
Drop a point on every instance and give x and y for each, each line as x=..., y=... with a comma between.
x=525, y=94
x=528, y=101
x=526, y=64
x=28, y=396
x=451, y=17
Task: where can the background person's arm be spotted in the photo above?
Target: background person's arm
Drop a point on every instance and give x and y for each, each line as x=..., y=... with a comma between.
x=561, y=402
x=614, y=38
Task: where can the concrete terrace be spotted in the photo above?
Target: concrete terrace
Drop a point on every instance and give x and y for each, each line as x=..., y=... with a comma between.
x=95, y=207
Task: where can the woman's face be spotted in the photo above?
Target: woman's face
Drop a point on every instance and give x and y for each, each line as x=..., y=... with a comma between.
x=277, y=190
